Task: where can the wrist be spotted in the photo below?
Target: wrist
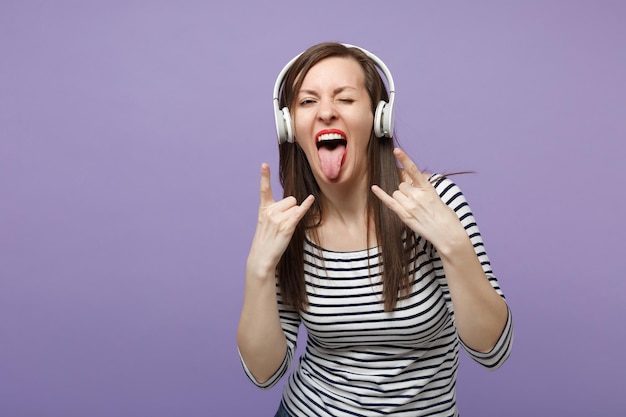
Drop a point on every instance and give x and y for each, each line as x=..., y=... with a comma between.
x=260, y=269
x=454, y=243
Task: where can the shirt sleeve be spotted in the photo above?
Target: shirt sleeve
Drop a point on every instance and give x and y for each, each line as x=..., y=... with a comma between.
x=290, y=322
x=451, y=194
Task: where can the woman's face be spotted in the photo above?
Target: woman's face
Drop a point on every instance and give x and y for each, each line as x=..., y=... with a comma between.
x=333, y=120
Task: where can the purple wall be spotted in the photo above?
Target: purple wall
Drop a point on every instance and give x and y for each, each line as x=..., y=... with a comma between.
x=131, y=136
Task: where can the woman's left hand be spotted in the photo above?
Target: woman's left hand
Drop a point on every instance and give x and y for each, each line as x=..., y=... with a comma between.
x=419, y=206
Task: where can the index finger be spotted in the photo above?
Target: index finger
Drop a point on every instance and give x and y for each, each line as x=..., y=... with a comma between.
x=410, y=169
x=266, y=186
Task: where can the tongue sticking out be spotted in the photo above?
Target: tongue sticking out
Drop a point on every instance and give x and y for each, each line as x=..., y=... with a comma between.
x=331, y=159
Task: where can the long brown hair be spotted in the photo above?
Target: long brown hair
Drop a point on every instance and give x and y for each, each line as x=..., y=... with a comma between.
x=297, y=180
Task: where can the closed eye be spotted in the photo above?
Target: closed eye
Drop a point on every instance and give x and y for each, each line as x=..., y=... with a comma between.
x=306, y=101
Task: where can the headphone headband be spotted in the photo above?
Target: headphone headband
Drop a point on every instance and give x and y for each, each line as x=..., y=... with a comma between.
x=383, y=117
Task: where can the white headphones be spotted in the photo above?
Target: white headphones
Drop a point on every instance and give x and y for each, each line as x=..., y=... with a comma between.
x=383, y=117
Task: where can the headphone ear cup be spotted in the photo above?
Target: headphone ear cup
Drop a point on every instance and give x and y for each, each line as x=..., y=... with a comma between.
x=283, y=125
x=288, y=127
x=379, y=128
x=383, y=120
x=387, y=121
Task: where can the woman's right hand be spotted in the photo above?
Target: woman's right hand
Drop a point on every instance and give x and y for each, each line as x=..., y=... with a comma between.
x=276, y=223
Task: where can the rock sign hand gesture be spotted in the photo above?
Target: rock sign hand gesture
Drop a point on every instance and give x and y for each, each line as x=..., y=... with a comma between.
x=276, y=224
x=418, y=205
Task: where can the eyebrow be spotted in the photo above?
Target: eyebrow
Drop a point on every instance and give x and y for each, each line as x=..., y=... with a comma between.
x=335, y=91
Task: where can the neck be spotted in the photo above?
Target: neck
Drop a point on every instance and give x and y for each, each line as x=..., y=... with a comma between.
x=345, y=201
x=345, y=222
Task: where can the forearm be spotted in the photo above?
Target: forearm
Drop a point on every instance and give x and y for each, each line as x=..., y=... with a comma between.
x=480, y=312
x=260, y=337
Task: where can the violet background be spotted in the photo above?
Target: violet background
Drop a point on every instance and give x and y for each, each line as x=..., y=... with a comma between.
x=131, y=136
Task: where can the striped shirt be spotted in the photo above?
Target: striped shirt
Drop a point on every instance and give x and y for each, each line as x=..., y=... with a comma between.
x=363, y=361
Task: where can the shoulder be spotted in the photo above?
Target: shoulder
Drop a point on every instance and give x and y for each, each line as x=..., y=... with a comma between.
x=442, y=183
x=447, y=189
x=438, y=181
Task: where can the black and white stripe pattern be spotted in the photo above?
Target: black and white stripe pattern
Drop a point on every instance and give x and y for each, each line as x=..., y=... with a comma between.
x=363, y=361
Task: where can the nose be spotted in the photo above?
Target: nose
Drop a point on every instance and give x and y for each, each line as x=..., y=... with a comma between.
x=327, y=111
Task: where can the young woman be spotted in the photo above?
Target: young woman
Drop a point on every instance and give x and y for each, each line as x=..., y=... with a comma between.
x=383, y=264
